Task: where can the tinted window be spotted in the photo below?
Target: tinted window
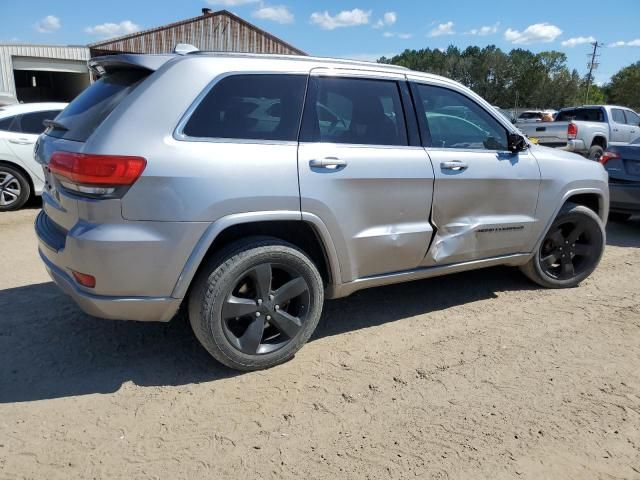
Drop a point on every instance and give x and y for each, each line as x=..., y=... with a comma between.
x=91, y=107
x=632, y=118
x=455, y=121
x=6, y=124
x=254, y=107
x=356, y=111
x=582, y=114
x=33, y=123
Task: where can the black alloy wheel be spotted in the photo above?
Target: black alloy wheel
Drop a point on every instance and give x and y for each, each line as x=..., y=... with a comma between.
x=266, y=309
x=571, y=248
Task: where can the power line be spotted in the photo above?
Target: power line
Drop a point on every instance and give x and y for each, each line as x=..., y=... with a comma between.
x=592, y=65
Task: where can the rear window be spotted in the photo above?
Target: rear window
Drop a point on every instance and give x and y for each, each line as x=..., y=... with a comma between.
x=84, y=114
x=530, y=115
x=252, y=107
x=582, y=114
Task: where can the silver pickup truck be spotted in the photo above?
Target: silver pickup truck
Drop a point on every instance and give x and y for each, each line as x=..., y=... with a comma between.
x=587, y=130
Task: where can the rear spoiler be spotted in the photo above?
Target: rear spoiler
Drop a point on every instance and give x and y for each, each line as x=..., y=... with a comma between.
x=108, y=63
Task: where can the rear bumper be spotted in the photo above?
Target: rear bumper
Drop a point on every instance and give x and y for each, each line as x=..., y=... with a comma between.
x=136, y=265
x=576, y=146
x=624, y=197
x=146, y=309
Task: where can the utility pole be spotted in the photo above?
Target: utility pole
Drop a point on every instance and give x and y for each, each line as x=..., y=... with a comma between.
x=592, y=65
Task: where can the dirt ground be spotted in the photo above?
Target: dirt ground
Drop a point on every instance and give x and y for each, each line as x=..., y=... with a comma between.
x=477, y=375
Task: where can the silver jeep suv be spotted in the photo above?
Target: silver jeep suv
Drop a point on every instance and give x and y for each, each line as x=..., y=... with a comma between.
x=249, y=188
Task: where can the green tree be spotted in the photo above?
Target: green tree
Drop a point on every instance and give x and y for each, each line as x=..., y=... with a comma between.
x=520, y=77
x=624, y=88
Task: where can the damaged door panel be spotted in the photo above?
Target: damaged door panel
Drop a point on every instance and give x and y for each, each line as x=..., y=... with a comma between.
x=485, y=197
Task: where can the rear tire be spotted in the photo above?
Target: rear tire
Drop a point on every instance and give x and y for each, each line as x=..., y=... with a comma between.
x=14, y=189
x=595, y=153
x=256, y=303
x=570, y=251
x=619, y=216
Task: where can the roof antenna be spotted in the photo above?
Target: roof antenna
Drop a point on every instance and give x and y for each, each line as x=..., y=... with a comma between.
x=184, y=49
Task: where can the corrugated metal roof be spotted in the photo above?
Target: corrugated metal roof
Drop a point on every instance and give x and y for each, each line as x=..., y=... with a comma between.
x=217, y=31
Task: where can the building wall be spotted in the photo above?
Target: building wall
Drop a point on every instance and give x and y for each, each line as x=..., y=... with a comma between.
x=7, y=83
x=219, y=31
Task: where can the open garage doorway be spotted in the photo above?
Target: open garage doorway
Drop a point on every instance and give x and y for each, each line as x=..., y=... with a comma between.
x=49, y=80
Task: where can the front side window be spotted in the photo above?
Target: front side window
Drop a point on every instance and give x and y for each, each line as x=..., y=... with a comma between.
x=455, y=121
x=618, y=116
x=632, y=118
x=251, y=107
x=354, y=111
x=33, y=123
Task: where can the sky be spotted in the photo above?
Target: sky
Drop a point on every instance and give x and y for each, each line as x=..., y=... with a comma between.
x=361, y=29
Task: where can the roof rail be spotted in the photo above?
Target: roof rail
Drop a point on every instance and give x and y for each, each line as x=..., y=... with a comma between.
x=305, y=58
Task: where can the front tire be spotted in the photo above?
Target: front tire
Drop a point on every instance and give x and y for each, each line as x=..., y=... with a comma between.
x=256, y=304
x=570, y=251
x=14, y=189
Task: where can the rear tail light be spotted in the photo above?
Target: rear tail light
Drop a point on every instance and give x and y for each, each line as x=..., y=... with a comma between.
x=572, y=131
x=96, y=174
x=606, y=156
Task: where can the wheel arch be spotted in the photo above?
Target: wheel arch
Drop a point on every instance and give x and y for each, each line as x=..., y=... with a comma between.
x=599, y=140
x=590, y=197
x=306, y=231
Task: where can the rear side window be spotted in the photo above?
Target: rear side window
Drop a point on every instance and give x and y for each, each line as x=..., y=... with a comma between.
x=581, y=114
x=251, y=107
x=7, y=124
x=33, y=123
x=618, y=116
x=93, y=106
x=356, y=111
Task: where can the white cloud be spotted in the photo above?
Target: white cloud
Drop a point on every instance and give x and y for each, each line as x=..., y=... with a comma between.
x=107, y=30
x=485, y=30
x=346, y=18
x=388, y=19
x=48, y=24
x=278, y=14
x=442, y=29
x=231, y=3
x=575, y=41
x=536, y=33
x=403, y=36
x=630, y=43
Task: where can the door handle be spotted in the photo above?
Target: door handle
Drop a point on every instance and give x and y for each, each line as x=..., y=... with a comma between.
x=21, y=141
x=328, y=162
x=455, y=165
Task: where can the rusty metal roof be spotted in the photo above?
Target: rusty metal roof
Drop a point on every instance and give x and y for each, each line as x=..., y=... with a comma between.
x=135, y=40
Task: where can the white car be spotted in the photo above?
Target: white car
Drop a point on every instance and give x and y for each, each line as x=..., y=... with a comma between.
x=20, y=175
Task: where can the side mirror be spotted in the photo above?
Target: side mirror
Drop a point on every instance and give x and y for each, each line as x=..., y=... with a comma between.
x=517, y=143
